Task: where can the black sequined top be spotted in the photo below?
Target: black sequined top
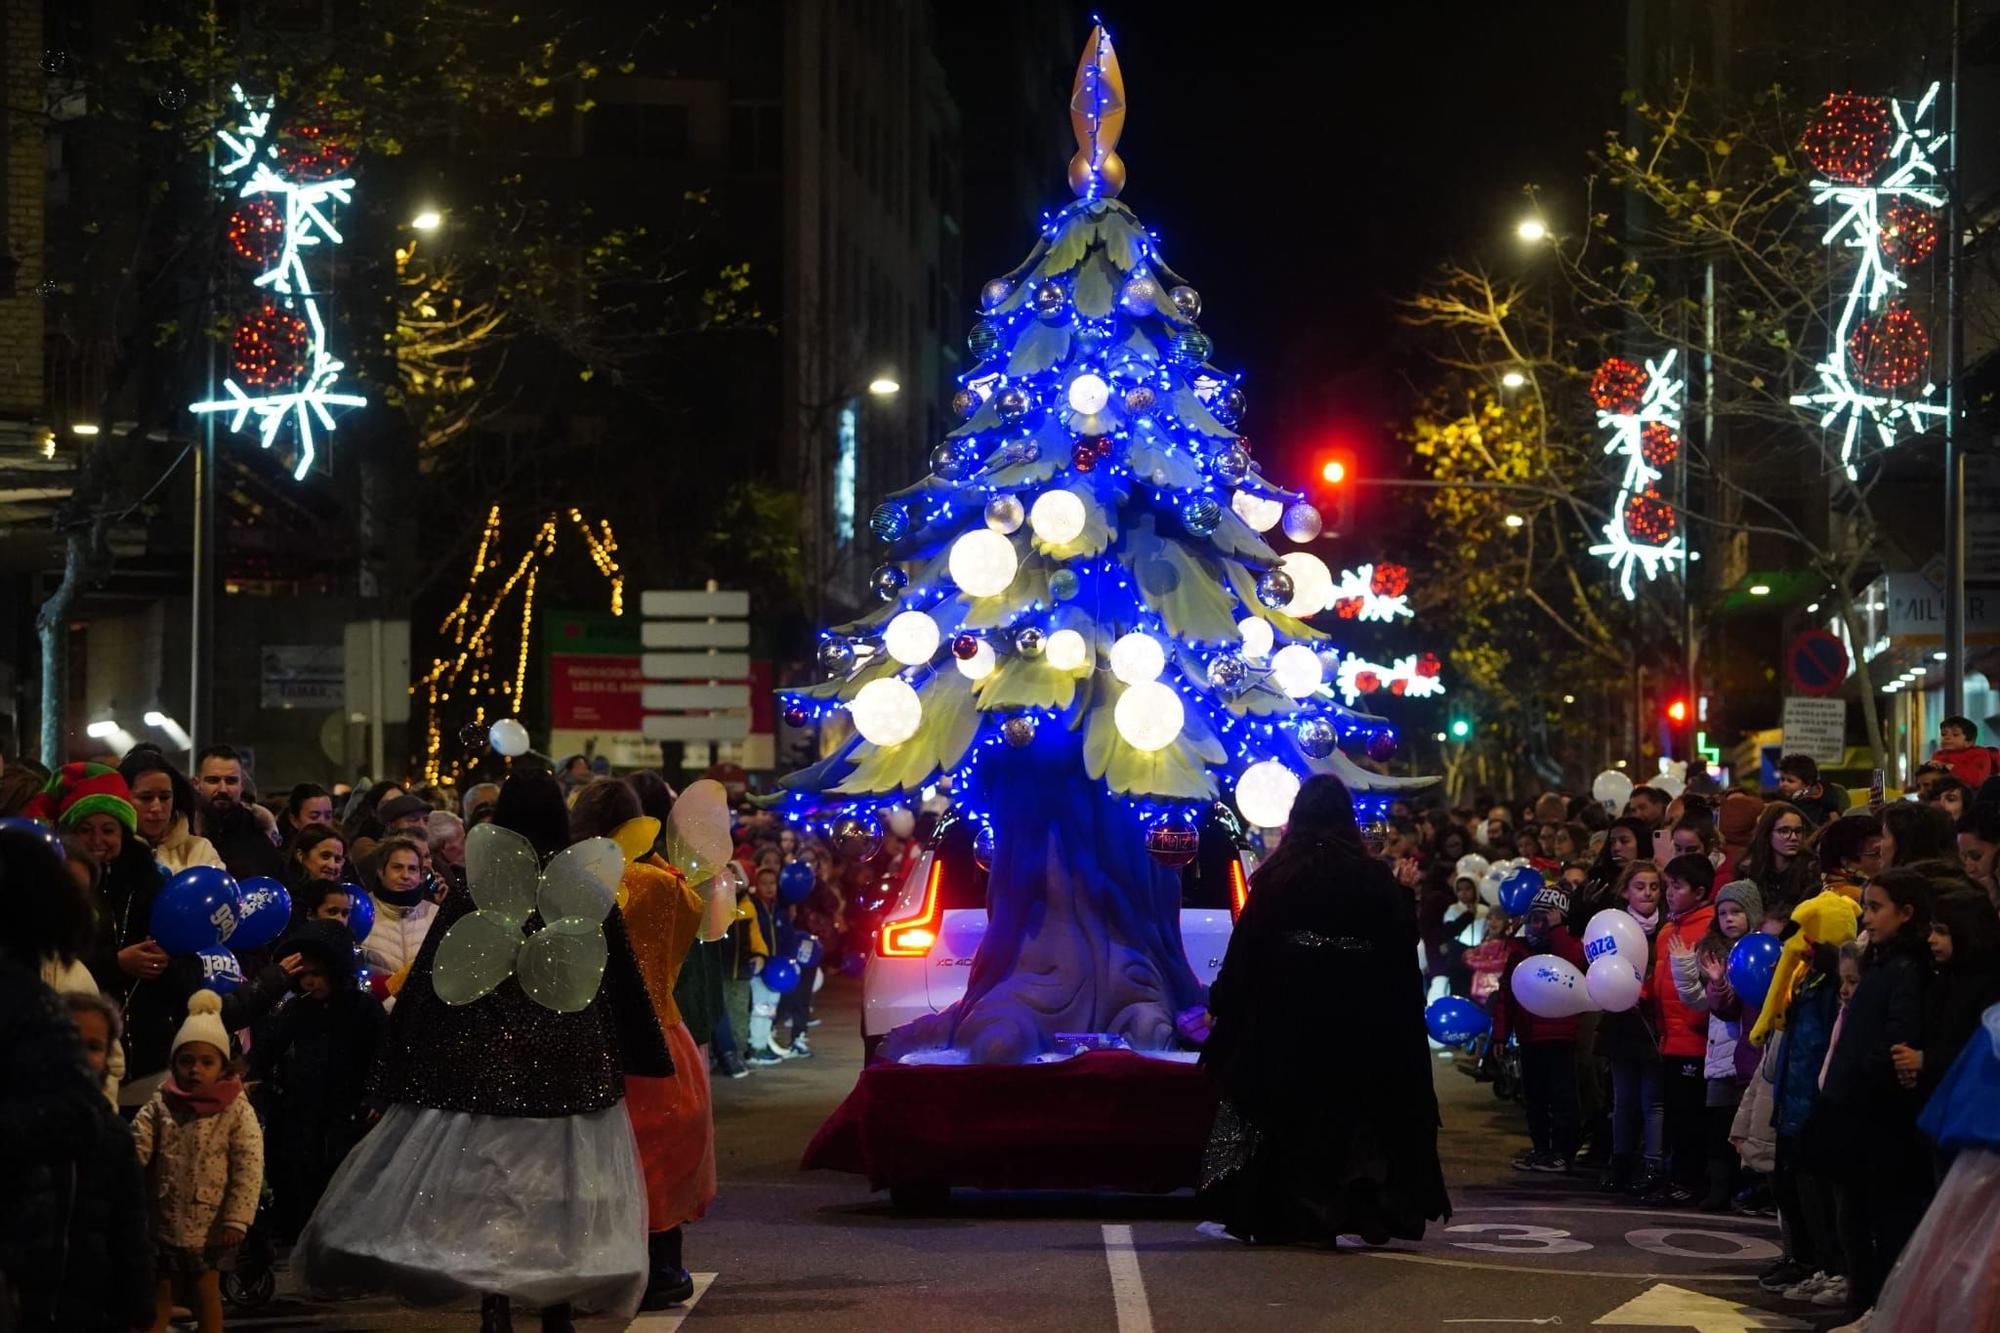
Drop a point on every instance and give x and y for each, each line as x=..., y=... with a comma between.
x=506, y=1055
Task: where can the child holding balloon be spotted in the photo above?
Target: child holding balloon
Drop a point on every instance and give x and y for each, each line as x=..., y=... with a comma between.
x=1682, y=1029
x=1548, y=1041
x=1628, y=1041
x=1703, y=977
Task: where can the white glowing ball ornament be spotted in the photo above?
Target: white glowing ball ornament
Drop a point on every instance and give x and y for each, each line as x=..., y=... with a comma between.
x=1137, y=658
x=1262, y=515
x=978, y=666
x=1312, y=584
x=1057, y=517
x=1257, y=636
x=911, y=638
x=1296, y=670
x=983, y=563
x=1265, y=792
x=886, y=711
x=1065, y=650
x=1149, y=716
x=1088, y=394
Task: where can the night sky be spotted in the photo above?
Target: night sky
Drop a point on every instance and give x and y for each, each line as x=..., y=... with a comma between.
x=1303, y=172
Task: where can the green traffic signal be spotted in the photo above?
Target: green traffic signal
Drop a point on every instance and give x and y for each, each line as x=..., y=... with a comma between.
x=1460, y=728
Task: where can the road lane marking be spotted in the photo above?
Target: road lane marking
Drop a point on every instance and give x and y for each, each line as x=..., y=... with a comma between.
x=659, y=1321
x=1128, y=1285
x=1406, y=1257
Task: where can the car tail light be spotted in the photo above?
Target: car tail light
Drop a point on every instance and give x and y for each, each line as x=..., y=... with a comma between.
x=912, y=936
x=1239, y=888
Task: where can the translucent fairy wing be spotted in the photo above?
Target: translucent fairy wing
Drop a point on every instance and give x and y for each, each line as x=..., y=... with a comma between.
x=698, y=838
x=562, y=963
x=476, y=955
x=502, y=873
x=582, y=881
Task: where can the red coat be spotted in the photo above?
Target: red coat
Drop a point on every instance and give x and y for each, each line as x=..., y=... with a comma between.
x=1683, y=1032
x=1510, y=1015
x=1973, y=764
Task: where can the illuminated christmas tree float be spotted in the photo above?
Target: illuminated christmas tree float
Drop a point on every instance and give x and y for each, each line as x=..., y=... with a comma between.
x=1085, y=627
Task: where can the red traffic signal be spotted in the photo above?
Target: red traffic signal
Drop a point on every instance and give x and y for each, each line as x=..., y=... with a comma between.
x=1677, y=710
x=1333, y=470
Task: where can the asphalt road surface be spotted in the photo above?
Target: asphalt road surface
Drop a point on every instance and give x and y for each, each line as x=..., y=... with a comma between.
x=783, y=1249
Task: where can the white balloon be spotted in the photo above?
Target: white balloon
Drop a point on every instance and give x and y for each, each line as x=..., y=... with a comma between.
x=1489, y=891
x=508, y=737
x=1613, y=931
x=1473, y=866
x=1550, y=986
x=1669, y=784
x=1611, y=789
x=1612, y=983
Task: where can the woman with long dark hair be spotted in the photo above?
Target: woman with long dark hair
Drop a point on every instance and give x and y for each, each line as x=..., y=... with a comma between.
x=1776, y=862
x=163, y=799
x=1627, y=840
x=1913, y=833
x=1314, y=1149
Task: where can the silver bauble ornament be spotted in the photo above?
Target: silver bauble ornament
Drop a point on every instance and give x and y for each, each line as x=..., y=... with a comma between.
x=889, y=582
x=1227, y=672
x=1013, y=403
x=1201, y=516
x=1023, y=451
x=1140, y=398
x=1190, y=347
x=1063, y=584
x=950, y=463
x=1186, y=300
x=1274, y=588
x=836, y=657
x=1233, y=402
x=1231, y=466
x=889, y=522
x=964, y=403
x=1301, y=522
x=984, y=340
x=1316, y=736
x=1028, y=641
x=994, y=292
x=1050, y=300
x=1004, y=513
x=982, y=847
x=1018, y=730
x=857, y=837
x=1140, y=295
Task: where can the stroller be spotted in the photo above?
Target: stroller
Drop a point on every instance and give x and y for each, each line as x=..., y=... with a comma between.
x=254, y=1280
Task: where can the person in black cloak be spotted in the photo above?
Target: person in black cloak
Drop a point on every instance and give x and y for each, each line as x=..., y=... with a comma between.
x=1309, y=1148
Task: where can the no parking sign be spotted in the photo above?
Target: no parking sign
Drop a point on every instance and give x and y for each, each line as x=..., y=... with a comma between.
x=1816, y=662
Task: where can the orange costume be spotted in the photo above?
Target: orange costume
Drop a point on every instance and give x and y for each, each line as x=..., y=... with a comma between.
x=671, y=1117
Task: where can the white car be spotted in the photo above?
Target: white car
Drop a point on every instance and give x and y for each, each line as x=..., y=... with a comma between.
x=923, y=949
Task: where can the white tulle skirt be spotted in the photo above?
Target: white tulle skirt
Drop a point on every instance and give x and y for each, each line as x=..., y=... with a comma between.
x=439, y=1207
x=1949, y=1275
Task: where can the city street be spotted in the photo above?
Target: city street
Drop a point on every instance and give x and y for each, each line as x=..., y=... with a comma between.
x=783, y=1249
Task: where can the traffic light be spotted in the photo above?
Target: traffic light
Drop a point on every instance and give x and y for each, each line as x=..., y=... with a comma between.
x=1335, y=470
x=1677, y=710
x=1677, y=725
x=1460, y=728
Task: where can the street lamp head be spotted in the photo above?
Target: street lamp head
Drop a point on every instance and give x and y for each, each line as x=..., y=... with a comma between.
x=884, y=386
x=1531, y=230
x=156, y=718
x=427, y=220
x=84, y=428
x=101, y=730
x=1514, y=520
x=1760, y=590
x=1513, y=379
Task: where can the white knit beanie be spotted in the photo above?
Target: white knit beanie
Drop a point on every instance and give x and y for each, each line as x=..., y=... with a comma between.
x=204, y=1023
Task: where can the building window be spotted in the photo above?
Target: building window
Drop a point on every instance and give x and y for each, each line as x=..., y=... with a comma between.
x=656, y=130
x=756, y=137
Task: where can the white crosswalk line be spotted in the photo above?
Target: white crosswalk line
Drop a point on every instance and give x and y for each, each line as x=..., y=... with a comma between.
x=659, y=1321
x=1128, y=1285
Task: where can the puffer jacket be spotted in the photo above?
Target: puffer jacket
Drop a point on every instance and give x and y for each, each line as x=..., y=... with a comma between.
x=1752, y=1130
x=1808, y=1030
x=1683, y=1029
x=203, y=1172
x=399, y=932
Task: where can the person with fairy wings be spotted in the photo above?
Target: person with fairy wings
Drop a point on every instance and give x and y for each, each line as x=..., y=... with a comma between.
x=504, y=1168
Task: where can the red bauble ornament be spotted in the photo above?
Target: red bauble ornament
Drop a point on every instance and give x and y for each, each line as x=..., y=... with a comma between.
x=965, y=647
x=1083, y=458
x=1173, y=845
x=1649, y=519
x=1348, y=607
x=1382, y=747
x=1848, y=137
x=269, y=349
x=257, y=230
x=1390, y=580
x=1658, y=444
x=1367, y=682
x=1892, y=350
x=309, y=151
x=1397, y=686
x=1909, y=233
x=1428, y=665
x=1105, y=444
x=795, y=716
x=1618, y=386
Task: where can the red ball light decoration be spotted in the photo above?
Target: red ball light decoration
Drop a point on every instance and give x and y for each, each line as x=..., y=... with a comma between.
x=1390, y=580
x=1382, y=747
x=309, y=151
x=1649, y=519
x=269, y=349
x=1891, y=350
x=257, y=230
x=1397, y=686
x=1367, y=682
x=1428, y=665
x=1848, y=137
x=795, y=716
x=1658, y=444
x=1083, y=457
x=1173, y=845
x=1618, y=386
x=965, y=647
x=1347, y=608
x=1909, y=233
x=1105, y=444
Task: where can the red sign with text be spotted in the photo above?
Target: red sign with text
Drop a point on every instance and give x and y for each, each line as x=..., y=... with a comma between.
x=591, y=692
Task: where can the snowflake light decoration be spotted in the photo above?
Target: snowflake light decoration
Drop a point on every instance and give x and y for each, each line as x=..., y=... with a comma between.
x=1412, y=677
x=1880, y=201
x=1644, y=532
x=257, y=168
x=1363, y=594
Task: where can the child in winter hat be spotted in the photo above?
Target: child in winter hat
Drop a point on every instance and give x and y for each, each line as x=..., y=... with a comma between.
x=204, y=1157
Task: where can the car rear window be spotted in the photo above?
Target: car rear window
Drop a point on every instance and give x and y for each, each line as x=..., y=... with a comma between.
x=1205, y=881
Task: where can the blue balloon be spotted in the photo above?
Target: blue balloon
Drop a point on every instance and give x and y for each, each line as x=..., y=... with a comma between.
x=37, y=830
x=267, y=909
x=795, y=882
x=1751, y=965
x=780, y=975
x=1454, y=1020
x=1518, y=890
x=198, y=909
x=220, y=972
x=361, y=919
